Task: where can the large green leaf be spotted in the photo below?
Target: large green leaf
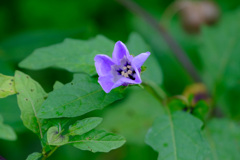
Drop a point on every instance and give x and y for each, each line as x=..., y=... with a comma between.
x=136, y=45
x=72, y=55
x=177, y=136
x=98, y=141
x=221, y=62
x=82, y=95
x=6, y=86
x=30, y=98
x=34, y=156
x=133, y=116
x=6, y=132
x=82, y=126
x=224, y=138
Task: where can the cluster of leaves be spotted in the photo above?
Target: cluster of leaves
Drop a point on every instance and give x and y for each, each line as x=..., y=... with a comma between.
x=57, y=117
x=54, y=116
x=60, y=131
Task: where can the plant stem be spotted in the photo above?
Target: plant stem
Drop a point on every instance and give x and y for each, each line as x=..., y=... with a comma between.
x=50, y=153
x=156, y=91
x=177, y=50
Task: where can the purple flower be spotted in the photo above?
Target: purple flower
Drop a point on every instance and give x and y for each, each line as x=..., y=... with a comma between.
x=121, y=69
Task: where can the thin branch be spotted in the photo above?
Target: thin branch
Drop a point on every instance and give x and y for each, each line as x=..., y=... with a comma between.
x=177, y=50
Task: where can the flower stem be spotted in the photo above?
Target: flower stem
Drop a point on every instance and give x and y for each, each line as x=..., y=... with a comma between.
x=156, y=91
x=50, y=153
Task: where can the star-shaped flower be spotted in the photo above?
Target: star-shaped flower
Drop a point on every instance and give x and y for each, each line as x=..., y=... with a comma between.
x=121, y=69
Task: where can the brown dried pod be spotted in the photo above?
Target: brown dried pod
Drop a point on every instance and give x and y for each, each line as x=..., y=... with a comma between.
x=194, y=14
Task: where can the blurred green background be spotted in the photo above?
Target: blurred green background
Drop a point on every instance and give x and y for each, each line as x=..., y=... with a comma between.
x=29, y=24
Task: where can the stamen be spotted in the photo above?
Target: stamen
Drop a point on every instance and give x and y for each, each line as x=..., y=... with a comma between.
x=129, y=72
x=128, y=66
x=124, y=68
x=122, y=73
x=125, y=75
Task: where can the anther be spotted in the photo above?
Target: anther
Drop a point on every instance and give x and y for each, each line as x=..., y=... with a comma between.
x=124, y=68
x=125, y=75
x=122, y=73
x=129, y=72
x=128, y=66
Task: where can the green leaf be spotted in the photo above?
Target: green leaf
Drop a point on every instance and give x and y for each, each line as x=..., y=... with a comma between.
x=200, y=110
x=34, y=156
x=132, y=116
x=82, y=126
x=30, y=97
x=6, y=86
x=57, y=85
x=98, y=141
x=219, y=52
x=6, y=132
x=177, y=136
x=136, y=45
x=55, y=138
x=72, y=55
x=81, y=96
x=223, y=136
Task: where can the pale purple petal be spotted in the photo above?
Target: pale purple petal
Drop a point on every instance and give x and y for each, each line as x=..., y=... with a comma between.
x=106, y=83
x=103, y=64
x=137, y=76
x=140, y=59
x=120, y=50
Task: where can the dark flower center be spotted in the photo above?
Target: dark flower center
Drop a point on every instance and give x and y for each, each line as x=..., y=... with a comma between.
x=125, y=69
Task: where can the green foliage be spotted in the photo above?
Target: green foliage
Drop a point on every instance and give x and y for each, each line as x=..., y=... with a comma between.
x=34, y=156
x=222, y=75
x=55, y=137
x=6, y=86
x=76, y=98
x=133, y=116
x=177, y=136
x=30, y=98
x=201, y=110
x=57, y=85
x=72, y=55
x=82, y=126
x=6, y=132
x=223, y=136
x=98, y=141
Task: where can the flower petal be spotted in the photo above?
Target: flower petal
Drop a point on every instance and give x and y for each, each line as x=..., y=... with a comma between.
x=106, y=83
x=103, y=64
x=140, y=59
x=120, y=50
